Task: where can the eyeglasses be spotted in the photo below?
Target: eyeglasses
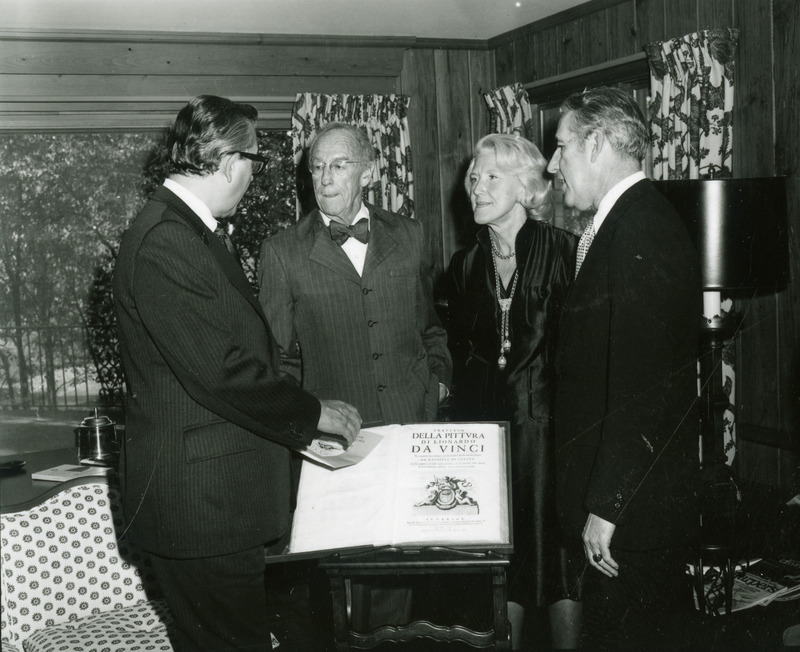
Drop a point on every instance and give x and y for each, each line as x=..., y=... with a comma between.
x=259, y=162
x=337, y=167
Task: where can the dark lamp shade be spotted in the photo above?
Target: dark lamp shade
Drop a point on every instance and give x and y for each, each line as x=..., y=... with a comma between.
x=739, y=227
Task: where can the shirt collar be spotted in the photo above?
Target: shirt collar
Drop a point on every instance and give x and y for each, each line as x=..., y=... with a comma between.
x=363, y=213
x=193, y=202
x=611, y=197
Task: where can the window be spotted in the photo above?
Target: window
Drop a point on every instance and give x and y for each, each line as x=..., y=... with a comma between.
x=65, y=199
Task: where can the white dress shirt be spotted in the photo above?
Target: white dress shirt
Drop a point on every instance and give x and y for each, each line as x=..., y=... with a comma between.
x=356, y=250
x=611, y=197
x=193, y=202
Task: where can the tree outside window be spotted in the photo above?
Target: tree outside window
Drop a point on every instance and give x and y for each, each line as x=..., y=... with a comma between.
x=65, y=200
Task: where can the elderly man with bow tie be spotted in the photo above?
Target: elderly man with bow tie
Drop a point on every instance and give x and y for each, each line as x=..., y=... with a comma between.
x=348, y=297
x=347, y=293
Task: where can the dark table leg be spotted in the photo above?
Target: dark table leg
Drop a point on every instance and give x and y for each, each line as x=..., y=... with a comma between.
x=501, y=632
x=341, y=629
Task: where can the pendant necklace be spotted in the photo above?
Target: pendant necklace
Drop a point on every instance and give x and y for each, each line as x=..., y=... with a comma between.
x=505, y=309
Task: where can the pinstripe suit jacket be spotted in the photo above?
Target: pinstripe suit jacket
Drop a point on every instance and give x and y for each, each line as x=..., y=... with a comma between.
x=205, y=466
x=373, y=340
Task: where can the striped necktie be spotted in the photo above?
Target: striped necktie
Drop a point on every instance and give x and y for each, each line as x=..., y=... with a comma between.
x=583, y=245
x=222, y=233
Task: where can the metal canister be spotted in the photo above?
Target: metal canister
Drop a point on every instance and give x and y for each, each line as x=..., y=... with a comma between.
x=96, y=441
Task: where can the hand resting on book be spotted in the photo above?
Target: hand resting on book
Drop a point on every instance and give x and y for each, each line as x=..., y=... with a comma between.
x=339, y=418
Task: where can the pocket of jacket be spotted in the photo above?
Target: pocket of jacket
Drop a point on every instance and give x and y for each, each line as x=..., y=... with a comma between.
x=204, y=441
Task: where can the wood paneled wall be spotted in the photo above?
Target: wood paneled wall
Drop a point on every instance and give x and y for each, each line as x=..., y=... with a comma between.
x=447, y=116
x=126, y=80
x=766, y=143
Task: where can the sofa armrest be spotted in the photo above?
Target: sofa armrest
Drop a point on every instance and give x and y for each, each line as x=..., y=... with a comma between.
x=68, y=557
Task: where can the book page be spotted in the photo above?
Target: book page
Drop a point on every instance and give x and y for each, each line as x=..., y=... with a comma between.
x=345, y=507
x=452, y=489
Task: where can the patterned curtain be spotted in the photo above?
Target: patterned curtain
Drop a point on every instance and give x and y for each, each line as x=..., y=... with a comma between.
x=510, y=111
x=691, y=109
x=691, y=123
x=384, y=117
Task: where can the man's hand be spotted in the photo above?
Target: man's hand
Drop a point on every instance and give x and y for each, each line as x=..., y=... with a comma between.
x=597, y=535
x=339, y=418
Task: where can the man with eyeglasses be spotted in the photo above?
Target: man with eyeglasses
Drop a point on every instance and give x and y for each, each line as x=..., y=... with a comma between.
x=210, y=421
x=347, y=294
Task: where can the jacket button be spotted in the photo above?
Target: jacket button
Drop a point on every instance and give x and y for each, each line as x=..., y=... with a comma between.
x=375, y=356
x=381, y=387
x=619, y=496
x=617, y=505
x=365, y=291
x=371, y=323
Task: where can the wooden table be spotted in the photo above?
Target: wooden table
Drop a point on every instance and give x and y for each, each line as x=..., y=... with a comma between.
x=19, y=491
x=397, y=561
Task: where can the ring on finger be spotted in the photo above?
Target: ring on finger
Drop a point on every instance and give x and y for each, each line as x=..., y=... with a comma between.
x=597, y=557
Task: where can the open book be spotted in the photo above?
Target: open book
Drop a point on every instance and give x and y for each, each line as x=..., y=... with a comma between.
x=423, y=484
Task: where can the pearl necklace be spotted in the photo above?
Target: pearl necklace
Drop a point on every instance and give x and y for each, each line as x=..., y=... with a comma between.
x=496, y=251
x=505, y=310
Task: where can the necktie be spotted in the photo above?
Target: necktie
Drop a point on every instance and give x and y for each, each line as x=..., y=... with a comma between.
x=341, y=232
x=222, y=233
x=583, y=245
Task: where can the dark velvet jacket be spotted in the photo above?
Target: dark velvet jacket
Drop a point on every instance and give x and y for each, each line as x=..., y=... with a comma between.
x=522, y=393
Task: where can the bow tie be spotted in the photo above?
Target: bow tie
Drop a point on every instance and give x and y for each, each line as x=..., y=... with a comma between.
x=341, y=232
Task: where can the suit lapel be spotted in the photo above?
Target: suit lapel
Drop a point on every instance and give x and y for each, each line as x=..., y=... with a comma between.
x=325, y=251
x=227, y=262
x=232, y=268
x=381, y=240
x=603, y=237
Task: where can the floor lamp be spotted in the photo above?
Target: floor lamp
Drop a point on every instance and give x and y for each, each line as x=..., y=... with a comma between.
x=739, y=227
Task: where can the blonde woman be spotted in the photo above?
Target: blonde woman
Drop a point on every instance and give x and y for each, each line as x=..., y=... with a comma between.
x=504, y=297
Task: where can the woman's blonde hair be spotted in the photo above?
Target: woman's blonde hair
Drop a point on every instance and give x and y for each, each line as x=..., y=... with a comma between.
x=518, y=156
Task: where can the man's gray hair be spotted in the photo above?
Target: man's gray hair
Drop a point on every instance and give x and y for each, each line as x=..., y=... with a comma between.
x=362, y=148
x=615, y=113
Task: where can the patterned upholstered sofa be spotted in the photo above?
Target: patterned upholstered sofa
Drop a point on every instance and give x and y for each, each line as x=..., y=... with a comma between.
x=70, y=580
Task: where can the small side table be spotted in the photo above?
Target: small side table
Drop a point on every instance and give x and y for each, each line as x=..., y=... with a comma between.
x=426, y=561
x=720, y=556
x=19, y=491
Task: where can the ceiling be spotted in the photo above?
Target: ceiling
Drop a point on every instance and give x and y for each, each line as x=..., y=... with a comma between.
x=445, y=19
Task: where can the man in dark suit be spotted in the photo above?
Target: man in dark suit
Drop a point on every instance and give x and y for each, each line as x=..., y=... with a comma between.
x=205, y=466
x=626, y=429
x=348, y=297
